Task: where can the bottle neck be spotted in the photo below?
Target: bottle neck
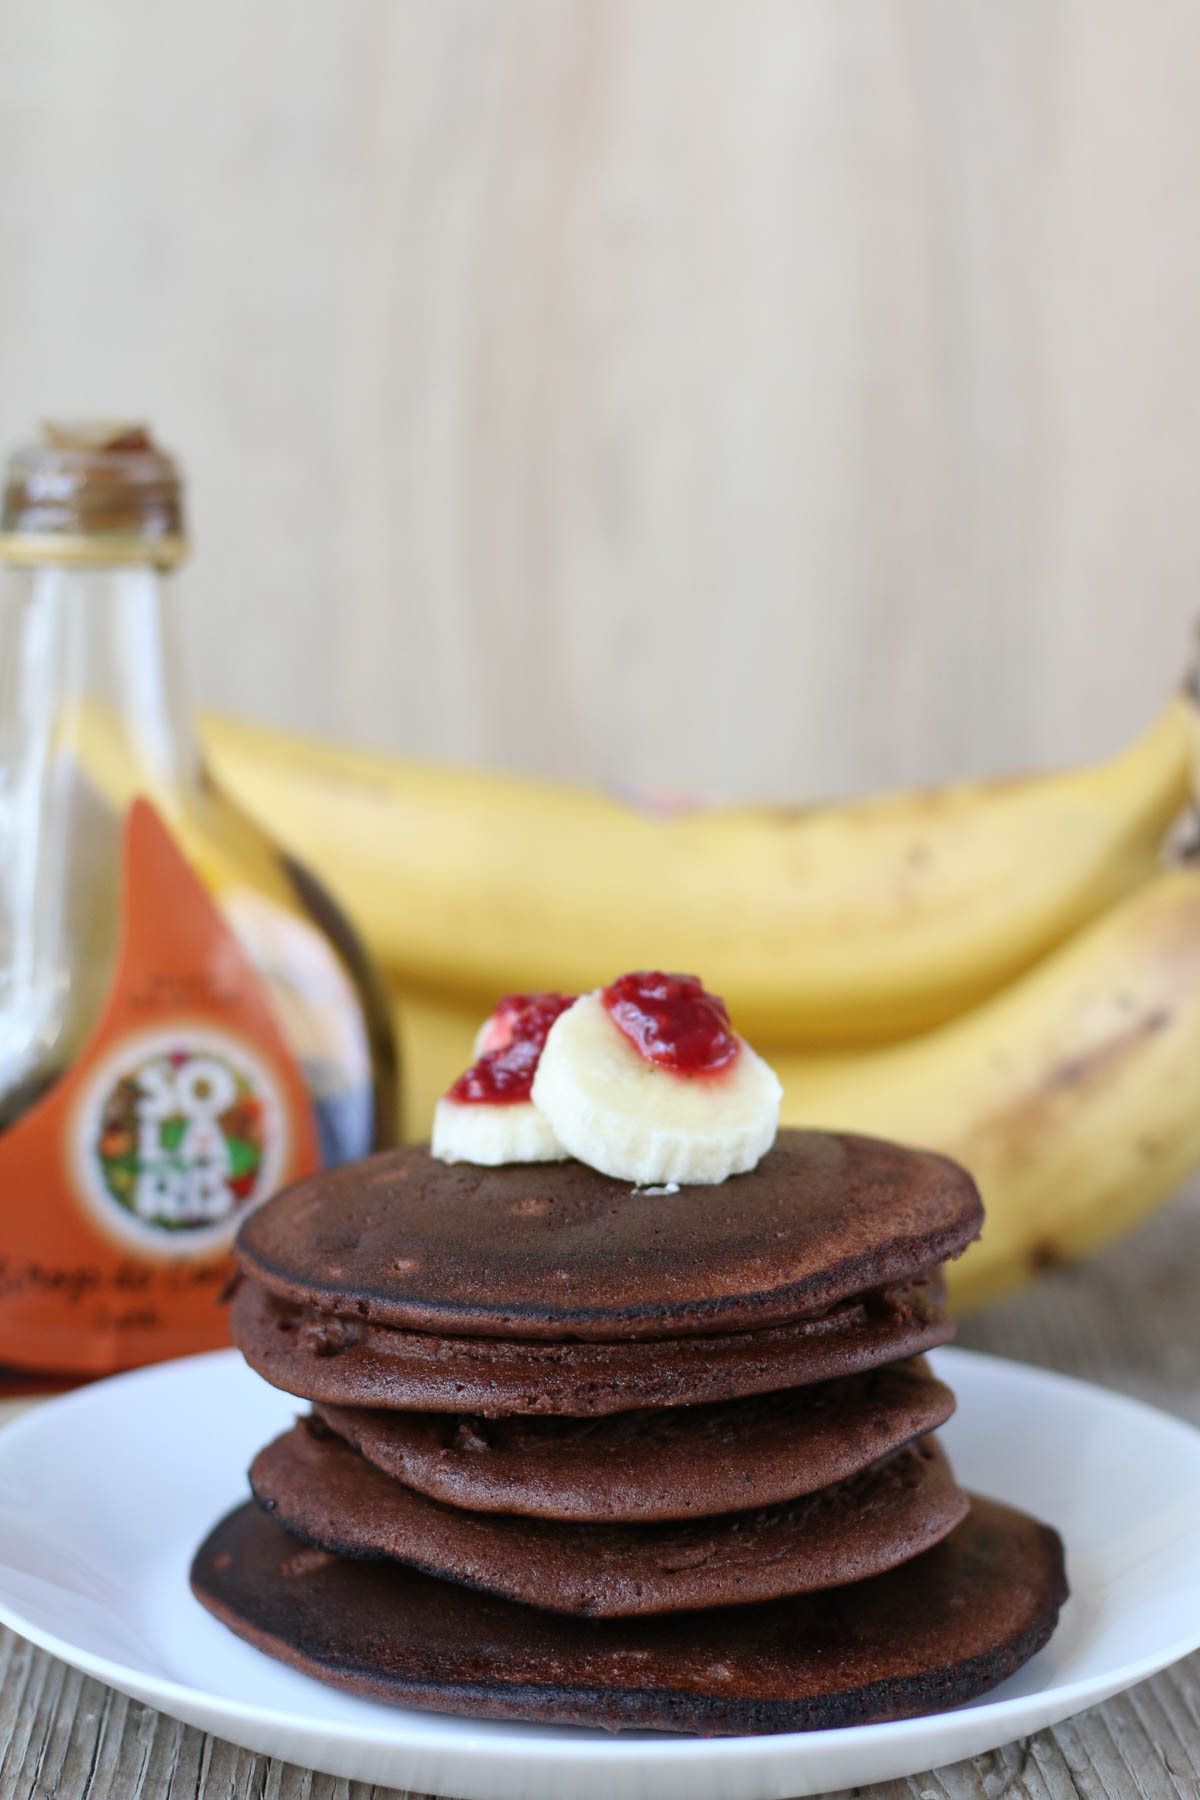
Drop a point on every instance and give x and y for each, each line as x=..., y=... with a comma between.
x=88, y=667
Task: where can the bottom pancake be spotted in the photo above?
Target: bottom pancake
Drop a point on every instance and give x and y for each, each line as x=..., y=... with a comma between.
x=937, y=1631
x=323, y=1492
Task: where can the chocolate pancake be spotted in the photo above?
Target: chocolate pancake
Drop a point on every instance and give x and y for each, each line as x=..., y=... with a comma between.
x=556, y=1250
x=662, y=1463
x=937, y=1631
x=349, y=1362
x=323, y=1492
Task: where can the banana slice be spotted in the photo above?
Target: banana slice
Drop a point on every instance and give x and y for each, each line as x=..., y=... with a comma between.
x=478, y=1132
x=632, y=1118
x=488, y=1115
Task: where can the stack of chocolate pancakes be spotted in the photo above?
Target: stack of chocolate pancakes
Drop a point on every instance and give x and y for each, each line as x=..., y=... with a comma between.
x=611, y=1456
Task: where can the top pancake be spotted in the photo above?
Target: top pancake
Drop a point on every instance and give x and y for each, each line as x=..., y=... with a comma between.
x=556, y=1250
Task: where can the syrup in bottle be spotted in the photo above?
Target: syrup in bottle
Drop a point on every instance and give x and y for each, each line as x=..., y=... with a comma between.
x=186, y=1020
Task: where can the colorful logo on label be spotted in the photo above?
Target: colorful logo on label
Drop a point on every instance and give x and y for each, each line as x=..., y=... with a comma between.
x=178, y=1133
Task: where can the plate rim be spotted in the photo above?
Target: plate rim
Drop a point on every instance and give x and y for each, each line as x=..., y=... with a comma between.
x=511, y=1746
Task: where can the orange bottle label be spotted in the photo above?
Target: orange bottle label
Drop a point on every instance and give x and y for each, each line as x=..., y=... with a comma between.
x=121, y=1189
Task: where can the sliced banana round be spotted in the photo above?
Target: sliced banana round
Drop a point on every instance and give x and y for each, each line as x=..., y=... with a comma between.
x=488, y=1116
x=478, y=1132
x=635, y=1120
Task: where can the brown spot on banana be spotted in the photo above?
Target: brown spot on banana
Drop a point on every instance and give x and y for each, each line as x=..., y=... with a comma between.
x=1013, y=1133
x=1079, y=1069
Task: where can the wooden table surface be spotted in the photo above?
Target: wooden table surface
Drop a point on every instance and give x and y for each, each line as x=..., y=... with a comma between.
x=1129, y=1319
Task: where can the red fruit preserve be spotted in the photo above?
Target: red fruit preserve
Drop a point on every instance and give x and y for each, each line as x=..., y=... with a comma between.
x=512, y=1041
x=673, y=1021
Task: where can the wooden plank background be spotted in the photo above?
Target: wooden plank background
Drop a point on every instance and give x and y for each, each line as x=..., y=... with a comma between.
x=749, y=395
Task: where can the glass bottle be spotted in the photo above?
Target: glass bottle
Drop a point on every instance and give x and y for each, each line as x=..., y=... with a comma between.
x=185, y=1017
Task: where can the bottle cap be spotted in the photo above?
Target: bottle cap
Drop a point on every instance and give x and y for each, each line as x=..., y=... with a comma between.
x=94, y=491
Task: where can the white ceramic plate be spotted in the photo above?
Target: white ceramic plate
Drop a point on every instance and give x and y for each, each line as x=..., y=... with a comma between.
x=105, y=1493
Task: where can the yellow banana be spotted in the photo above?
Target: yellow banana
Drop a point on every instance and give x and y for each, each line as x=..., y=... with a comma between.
x=1073, y=1097
x=857, y=922
x=435, y=1038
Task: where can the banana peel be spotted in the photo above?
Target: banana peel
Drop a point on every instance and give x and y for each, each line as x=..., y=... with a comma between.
x=842, y=924
x=1073, y=1097
x=1002, y=971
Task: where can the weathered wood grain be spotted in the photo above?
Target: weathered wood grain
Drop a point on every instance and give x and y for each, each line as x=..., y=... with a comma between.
x=776, y=395
x=1127, y=1319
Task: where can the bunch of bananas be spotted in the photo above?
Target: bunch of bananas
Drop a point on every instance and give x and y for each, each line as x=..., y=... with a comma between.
x=1007, y=971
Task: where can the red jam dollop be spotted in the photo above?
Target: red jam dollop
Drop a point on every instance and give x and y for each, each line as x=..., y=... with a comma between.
x=673, y=1021
x=513, y=1039
x=500, y=1025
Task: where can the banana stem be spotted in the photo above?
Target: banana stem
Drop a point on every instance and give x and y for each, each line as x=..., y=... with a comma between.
x=1187, y=848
